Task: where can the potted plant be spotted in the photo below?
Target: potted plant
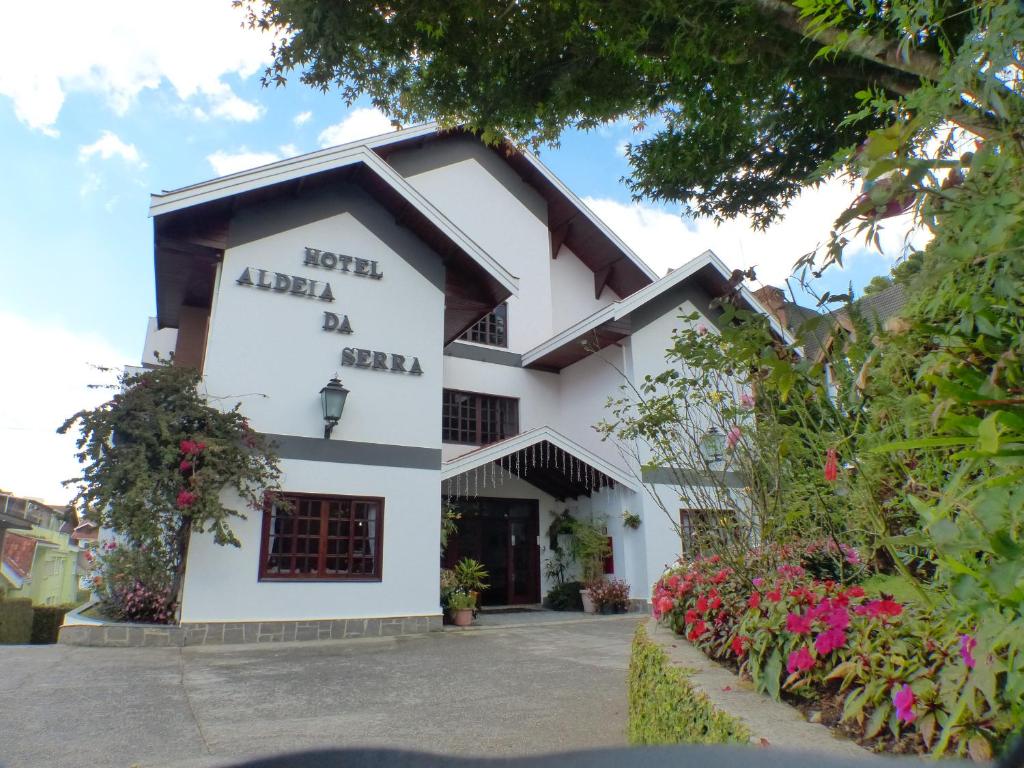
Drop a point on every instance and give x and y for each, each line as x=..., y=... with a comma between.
x=471, y=577
x=589, y=548
x=631, y=520
x=460, y=607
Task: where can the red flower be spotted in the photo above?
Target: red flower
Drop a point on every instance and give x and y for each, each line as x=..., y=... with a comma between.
x=799, y=660
x=698, y=629
x=691, y=616
x=831, y=465
x=879, y=608
x=721, y=576
x=187, y=447
x=755, y=600
x=774, y=596
x=739, y=644
x=185, y=465
x=662, y=606
x=186, y=499
x=798, y=624
x=716, y=602
x=702, y=604
x=838, y=619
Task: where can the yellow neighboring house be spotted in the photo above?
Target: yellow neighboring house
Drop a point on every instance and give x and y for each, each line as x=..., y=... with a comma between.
x=39, y=564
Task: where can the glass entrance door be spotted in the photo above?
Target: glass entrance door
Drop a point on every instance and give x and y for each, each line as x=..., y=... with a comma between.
x=501, y=534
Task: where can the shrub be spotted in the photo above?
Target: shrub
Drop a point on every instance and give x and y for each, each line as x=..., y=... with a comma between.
x=565, y=597
x=610, y=593
x=903, y=675
x=46, y=621
x=133, y=584
x=15, y=621
x=664, y=708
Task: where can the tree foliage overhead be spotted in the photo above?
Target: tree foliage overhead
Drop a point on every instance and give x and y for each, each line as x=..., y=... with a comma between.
x=743, y=110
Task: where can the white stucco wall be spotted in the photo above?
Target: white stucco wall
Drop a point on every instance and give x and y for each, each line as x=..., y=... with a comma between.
x=584, y=389
x=572, y=291
x=268, y=351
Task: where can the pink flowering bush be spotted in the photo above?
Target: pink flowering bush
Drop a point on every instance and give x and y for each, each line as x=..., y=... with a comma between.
x=132, y=584
x=891, y=672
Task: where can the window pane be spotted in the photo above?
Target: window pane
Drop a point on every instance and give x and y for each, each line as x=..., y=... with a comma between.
x=490, y=329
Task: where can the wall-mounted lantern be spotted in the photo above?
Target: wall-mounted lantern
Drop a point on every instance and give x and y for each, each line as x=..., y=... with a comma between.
x=332, y=398
x=712, y=446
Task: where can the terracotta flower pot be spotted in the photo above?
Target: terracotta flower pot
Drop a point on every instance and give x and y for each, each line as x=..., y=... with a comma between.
x=462, y=617
x=588, y=602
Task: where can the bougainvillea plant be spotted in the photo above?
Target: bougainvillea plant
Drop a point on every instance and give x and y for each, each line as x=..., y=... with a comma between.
x=156, y=459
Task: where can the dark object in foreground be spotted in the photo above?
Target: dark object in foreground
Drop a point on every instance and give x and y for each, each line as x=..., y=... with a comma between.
x=679, y=756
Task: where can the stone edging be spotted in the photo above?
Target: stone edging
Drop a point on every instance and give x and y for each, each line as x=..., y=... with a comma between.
x=119, y=635
x=771, y=723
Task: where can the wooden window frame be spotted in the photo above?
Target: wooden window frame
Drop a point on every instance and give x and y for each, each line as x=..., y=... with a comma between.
x=478, y=398
x=479, y=327
x=324, y=499
x=686, y=537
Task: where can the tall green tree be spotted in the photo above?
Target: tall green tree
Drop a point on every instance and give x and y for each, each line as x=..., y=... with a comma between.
x=746, y=98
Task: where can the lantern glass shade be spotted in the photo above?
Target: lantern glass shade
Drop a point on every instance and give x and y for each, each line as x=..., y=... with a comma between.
x=712, y=445
x=332, y=399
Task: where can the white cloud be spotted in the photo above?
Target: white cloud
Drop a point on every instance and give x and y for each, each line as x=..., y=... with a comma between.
x=56, y=370
x=359, y=124
x=666, y=240
x=302, y=118
x=224, y=163
x=289, y=150
x=110, y=145
x=226, y=105
x=123, y=48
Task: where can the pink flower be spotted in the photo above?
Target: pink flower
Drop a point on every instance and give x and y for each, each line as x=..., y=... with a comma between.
x=702, y=330
x=903, y=699
x=798, y=624
x=187, y=447
x=186, y=499
x=838, y=619
x=185, y=465
x=829, y=640
x=967, y=645
x=799, y=660
x=733, y=436
x=758, y=581
x=747, y=400
x=852, y=555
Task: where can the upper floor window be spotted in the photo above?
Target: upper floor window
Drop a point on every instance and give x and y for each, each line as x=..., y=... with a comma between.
x=491, y=329
x=333, y=538
x=475, y=419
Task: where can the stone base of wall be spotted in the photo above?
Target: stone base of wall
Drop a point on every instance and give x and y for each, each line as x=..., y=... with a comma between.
x=116, y=635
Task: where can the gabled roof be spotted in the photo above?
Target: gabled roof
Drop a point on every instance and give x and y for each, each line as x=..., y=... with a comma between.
x=543, y=457
x=191, y=225
x=612, y=323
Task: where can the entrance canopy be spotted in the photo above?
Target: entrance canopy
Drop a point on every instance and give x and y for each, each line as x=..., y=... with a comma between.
x=542, y=457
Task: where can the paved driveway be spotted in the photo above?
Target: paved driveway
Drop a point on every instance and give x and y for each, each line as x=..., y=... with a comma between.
x=502, y=691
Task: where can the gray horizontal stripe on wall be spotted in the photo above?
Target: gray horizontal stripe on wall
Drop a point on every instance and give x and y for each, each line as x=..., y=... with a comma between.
x=349, y=452
x=669, y=476
x=484, y=354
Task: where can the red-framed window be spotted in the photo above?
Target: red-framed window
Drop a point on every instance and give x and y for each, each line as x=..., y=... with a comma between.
x=322, y=538
x=491, y=329
x=475, y=419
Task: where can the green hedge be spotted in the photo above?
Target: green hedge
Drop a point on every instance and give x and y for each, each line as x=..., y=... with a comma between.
x=46, y=621
x=15, y=621
x=565, y=597
x=664, y=708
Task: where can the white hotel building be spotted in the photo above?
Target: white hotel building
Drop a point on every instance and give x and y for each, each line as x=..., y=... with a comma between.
x=480, y=317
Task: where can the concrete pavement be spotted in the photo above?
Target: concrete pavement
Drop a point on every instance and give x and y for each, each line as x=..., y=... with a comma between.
x=502, y=691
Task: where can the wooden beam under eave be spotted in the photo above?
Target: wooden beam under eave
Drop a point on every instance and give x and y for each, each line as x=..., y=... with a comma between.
x=558, y=236
x=601, y=277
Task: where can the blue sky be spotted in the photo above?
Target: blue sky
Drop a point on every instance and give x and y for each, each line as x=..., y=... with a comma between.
x=136, y=102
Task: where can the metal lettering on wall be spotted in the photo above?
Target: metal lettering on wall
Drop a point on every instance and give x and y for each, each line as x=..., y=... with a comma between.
x=333, y=322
